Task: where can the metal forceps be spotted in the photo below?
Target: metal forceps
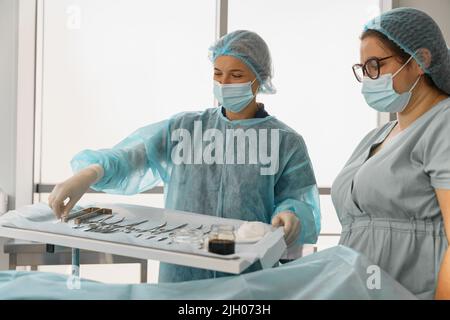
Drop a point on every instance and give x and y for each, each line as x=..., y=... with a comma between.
x=154, y=234
x=126, y=228
x=99, y=224
x=141, y=232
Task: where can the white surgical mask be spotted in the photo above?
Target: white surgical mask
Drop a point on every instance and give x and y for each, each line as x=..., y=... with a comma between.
x=234, y=96
x=381, y=96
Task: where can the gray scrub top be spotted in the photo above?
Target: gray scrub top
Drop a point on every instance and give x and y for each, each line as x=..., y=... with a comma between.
x=387, y=204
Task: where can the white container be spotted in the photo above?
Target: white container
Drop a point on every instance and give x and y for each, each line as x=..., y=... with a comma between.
x=3, y=202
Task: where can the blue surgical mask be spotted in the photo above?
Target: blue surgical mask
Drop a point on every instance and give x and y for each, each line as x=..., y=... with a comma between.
x=380, y=93
x=234, y=96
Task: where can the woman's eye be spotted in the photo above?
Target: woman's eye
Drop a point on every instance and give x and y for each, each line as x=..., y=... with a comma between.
x=237, y=76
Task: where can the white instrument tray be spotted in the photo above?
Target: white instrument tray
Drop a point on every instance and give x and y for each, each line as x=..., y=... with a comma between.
x=38, y=223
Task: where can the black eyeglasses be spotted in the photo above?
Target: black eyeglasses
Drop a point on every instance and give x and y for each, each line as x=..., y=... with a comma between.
x=370, y=68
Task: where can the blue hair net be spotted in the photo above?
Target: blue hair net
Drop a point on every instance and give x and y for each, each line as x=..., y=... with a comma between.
x=418, y=35
x=252, y=50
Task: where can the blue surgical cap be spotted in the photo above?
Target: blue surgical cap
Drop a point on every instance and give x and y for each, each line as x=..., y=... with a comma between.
x=252, y=50
x=418, y=35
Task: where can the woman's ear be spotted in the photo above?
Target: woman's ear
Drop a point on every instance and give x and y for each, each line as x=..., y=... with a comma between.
x=424, y=56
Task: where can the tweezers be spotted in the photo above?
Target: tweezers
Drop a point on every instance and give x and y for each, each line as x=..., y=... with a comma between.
x=92, y=214
x=77, y=214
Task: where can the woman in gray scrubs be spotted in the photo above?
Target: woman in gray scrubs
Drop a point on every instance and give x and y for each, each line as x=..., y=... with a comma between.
x=393, y=194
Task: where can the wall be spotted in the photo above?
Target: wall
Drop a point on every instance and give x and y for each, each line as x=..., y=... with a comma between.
x=8, y=80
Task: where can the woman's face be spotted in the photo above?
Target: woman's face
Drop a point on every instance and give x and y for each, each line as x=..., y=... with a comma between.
x=228, y=69
x=372, y=47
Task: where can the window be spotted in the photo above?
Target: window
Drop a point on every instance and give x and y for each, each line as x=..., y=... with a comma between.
x=107, y=69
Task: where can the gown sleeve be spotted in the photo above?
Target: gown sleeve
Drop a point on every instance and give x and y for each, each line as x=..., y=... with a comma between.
x=138, y=163
x=296, y=191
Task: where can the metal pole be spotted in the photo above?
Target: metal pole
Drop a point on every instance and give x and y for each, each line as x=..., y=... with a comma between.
x=221, y=18
x=75, y=262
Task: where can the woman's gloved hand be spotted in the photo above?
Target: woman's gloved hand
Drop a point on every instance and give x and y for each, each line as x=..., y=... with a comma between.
x=291, y=225
x=73, y=188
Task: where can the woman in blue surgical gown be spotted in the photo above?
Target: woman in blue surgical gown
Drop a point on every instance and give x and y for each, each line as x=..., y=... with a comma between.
x=235, y=161
x=393, y=194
